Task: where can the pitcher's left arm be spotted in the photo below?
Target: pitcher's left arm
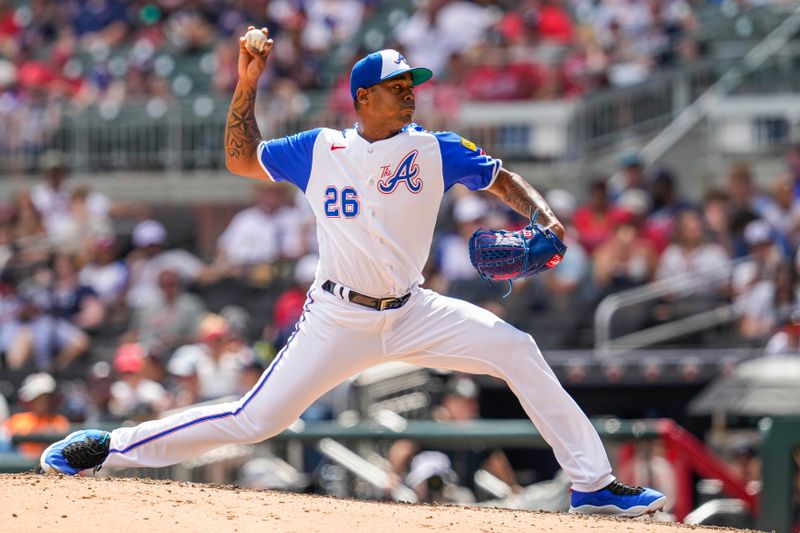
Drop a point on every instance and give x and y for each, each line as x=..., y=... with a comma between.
x=523, y=198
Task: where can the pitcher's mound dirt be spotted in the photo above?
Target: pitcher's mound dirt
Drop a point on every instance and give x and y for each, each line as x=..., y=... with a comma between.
x=31, y=502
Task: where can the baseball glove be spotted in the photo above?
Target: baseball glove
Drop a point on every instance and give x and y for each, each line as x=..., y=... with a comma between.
x=510, y=255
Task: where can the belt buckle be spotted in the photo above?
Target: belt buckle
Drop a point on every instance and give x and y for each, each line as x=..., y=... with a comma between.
x=385, y=303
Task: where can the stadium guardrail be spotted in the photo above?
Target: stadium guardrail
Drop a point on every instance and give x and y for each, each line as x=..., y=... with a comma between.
x=606, y=344
x=689, y=116
x=456, y=435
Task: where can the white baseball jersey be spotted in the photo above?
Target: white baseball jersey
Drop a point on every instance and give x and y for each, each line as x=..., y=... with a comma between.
x=376, y=203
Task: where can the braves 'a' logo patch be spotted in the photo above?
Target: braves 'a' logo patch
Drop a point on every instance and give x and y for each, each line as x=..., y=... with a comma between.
x=406, y=172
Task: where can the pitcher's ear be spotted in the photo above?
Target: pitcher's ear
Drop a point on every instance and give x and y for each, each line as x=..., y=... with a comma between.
x=362, y=96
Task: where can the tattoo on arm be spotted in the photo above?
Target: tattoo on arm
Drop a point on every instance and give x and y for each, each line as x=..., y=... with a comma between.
x=524, y=199
x=241, y=131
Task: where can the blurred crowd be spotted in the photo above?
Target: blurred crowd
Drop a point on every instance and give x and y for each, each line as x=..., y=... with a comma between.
x=97, y=294
x=60, y=56
x=539, y=49
x=86, y=50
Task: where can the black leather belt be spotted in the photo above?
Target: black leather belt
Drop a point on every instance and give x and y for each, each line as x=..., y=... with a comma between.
x=379, y=304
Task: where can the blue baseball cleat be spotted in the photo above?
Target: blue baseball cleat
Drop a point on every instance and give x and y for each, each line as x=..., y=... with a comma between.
x=618, y=499
x=78, y=451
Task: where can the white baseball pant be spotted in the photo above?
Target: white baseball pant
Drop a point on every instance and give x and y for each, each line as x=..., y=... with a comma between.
x=336, y=339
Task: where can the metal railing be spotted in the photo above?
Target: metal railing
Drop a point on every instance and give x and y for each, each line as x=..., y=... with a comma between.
x=611, y=115
x=652, y=292
x=154, y=134
x=179, y=136
x=689, y=117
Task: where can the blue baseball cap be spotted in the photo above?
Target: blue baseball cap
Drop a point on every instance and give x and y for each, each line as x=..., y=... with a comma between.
x=380, y=66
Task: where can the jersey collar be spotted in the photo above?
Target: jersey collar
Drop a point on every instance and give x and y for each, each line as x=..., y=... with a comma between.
x=407, y=127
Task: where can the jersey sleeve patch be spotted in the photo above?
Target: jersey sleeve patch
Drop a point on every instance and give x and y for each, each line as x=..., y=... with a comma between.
x=464, y=162
x=289, y=158
x=469, y=144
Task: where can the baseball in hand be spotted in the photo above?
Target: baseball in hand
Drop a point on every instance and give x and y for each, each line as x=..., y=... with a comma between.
x=256, y=39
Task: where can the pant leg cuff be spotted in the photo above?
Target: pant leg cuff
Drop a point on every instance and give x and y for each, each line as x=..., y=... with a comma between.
x=591, y=487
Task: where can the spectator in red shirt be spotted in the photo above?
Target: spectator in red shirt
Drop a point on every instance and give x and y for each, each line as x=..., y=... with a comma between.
x=498, y=79
x=554, y=23
x=339, y=106
x=289, y=305
x=638, y=203
x=9, y=29
x=593, y=220
x=584, y=69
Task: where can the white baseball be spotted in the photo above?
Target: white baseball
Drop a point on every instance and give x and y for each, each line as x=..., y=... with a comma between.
x=256, y=39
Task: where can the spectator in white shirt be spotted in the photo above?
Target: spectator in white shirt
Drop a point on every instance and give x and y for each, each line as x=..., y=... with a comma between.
x=769, y=303
x=215, y=360
x=787, y=340
x=700, y=269
x=432, y=34
x=151, y=256
x=184, y=379
x=783, y=213
x=105, y=273
x=691, y=255
x=469, y=213
x=570, y=276
x=264, y=233
x=765, y=258
x=53, y=196
x=82, y=222
x=133, y=394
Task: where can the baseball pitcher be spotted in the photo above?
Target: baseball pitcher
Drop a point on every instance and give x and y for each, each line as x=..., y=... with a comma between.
x=375, y=190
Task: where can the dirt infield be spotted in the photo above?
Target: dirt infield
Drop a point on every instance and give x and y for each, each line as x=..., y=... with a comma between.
x=54, y=503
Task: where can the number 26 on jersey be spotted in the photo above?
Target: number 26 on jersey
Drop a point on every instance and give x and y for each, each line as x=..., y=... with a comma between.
x=341, y=202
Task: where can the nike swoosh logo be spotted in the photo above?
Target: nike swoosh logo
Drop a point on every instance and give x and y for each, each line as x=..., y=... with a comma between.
x=334, y=147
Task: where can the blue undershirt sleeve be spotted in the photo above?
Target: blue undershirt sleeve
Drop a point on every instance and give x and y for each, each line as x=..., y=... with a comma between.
x=289, y=158
x=465, y=163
